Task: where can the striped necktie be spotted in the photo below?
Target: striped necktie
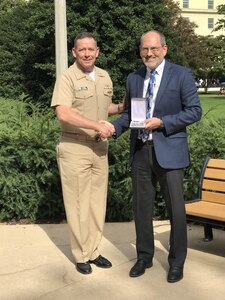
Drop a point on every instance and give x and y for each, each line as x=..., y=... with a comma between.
x=149, y=99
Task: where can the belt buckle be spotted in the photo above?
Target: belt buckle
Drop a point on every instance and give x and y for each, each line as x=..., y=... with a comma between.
x=97, y=138
x=149, y=142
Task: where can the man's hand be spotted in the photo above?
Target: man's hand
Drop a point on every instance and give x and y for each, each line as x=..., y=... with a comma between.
x=106, y=129
x=152, y=123
x=116, y=108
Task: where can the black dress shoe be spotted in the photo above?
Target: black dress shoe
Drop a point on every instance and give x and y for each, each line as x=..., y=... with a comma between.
x=175, y=274
x=139, y=268
x=101, y=262
x=84, y=268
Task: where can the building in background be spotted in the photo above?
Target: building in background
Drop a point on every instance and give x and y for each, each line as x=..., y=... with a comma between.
x=204, y=14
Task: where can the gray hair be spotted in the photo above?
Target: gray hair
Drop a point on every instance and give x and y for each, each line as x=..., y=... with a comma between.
x=162, y=36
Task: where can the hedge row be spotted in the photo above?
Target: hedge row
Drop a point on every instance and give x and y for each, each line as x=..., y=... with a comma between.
x=29, y=179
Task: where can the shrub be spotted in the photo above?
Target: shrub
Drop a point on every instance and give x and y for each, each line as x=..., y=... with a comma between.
x=29, y=180
x=119, y=205
x=206, y=138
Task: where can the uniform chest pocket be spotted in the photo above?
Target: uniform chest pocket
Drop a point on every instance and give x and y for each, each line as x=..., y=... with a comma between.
x=83, y=93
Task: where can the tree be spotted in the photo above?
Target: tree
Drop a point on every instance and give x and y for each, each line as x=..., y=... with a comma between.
x=213, y=66
x=27, y=54
x=118, y=25
x=214, y=60
x=12, y=47
x=6, y=5
x=220, y=25
x=27, y=63
x=204, y=54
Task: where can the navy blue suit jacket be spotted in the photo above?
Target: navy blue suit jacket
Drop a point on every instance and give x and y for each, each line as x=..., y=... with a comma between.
x=177, y=104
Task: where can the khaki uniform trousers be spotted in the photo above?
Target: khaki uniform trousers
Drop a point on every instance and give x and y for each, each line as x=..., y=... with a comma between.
x=83, y=167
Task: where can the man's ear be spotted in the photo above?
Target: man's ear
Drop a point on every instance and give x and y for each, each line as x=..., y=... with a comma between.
x=74, y=52
x=97, y=52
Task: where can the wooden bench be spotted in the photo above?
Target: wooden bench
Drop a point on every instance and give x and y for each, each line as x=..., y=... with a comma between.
x=209, y=207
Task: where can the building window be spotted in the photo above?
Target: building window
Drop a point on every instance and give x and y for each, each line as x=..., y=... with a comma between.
x=210, y=4
x=185, y=3
x=210, y=23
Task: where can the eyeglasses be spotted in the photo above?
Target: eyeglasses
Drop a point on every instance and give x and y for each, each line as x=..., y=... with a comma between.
x=152, y=49
x=83, y=50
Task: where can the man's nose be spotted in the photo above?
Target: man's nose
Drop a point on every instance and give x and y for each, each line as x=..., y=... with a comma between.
x=149, y=51
x=87, y=52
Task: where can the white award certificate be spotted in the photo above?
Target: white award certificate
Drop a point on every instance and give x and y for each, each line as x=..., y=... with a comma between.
x=138, y=112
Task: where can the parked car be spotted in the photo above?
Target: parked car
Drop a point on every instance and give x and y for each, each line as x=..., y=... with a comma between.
x=222, y=89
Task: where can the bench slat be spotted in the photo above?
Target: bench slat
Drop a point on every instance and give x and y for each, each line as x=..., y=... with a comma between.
x=213, y=185
x=208, y=210
x=213, y=197
x=211, y=209
x=214, y=174
x=217, y=163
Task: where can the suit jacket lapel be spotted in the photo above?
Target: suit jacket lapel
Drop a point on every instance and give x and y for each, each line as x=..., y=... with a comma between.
x=164, y=81
x=140, y=82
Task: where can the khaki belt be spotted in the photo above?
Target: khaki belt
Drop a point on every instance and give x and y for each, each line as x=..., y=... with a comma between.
x=82, y=137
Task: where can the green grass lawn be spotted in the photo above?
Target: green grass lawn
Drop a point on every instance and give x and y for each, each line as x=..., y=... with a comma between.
x=213, y=106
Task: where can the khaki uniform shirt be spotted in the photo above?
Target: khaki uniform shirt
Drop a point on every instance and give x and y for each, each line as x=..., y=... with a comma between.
x=90, y=98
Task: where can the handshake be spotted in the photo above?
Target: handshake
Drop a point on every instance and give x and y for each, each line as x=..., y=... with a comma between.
x=105, y=129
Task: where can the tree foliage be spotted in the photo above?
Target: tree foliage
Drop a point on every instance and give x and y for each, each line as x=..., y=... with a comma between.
x=213, y=66
x=29, y=180
x=27, y=48
x=220, y=25
x=27, y=51
x=7, y=6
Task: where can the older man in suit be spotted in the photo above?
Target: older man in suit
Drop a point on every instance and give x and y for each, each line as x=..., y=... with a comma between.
x=162, y=154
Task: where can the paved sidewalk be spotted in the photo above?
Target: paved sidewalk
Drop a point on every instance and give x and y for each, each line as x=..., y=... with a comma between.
x=36, y=263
